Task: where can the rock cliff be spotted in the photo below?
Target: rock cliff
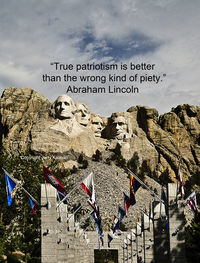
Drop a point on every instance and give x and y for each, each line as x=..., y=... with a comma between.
x=28, y=123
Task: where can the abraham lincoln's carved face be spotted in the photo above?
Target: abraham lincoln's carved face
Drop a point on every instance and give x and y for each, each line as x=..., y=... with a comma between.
x=120, y=128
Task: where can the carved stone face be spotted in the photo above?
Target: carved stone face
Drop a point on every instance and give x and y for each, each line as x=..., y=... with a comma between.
x=120, y=128
x=64, y=107
x=82, y=114
x=97, y=125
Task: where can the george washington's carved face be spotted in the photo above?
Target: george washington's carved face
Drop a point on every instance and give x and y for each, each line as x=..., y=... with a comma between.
x=64, y=107
x=97, y=125
x=120, y=128
x=82, y=114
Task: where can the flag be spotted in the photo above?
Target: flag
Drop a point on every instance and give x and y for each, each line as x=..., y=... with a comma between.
x=97, y=220
x=134, y=186
x=191, y=201
x=94, y=206
x=163, y=195
x=122, y=213
x=164, y=198
x=115, y=235
x=117, y=231
x=110, y=238
x=180, y=188
x=88, y=186
x=50, y=178
x=32, y=205
x=59, y=193
x=10, y=185
x=126, y=203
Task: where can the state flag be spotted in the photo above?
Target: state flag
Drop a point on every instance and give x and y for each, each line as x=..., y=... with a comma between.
x=88, y=186
x=134, y=186
x=50, y=178
x=191, y=201
x=10, y=185
x=121, y=215
x=32, y=205
x=126, y=203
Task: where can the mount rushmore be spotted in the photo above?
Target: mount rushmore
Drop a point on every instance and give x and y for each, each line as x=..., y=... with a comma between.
x=30, y=123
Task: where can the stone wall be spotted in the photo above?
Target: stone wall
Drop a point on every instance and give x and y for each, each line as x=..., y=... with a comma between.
x=150, y=241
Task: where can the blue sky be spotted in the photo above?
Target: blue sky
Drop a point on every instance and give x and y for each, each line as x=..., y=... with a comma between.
x=117, y=50
x=162, y=32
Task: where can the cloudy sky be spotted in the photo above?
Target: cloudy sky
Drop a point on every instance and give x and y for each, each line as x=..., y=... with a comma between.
x=35, y=33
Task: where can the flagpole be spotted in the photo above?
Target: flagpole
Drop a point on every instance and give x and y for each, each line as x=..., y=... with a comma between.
x=150, y=206
x=59, y=207
x=75, y=211
x=145, y=186
x=78, y=184
x=46, y=192
x=45, y=184
x=160, y=208
x=21, y=187
x=142, y=219
x=136, y=239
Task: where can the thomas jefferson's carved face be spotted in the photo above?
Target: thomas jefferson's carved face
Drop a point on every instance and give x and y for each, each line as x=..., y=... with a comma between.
x=64, y=107
x=120, y=128
x=82, y=114
x=97, y=126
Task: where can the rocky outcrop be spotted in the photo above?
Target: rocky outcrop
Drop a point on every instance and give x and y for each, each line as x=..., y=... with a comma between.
x=27, y=124
x=19, y=111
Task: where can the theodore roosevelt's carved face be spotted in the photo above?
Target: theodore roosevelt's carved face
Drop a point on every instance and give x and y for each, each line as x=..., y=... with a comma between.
x=120, y=128
x=82, y=114
x=97, y=125
x=64, y=107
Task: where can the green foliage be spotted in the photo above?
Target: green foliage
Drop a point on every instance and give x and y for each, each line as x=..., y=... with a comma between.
x=85, y=164
x=108, y=161
x=164, y=178
x=82, y=161
x=97, y=157
x=22, y=226
x=144, y=170
x=117, y=157
x=73, y=170
x=133, y=164
x=140, y=170
x=80, y=158
x=12, y=259
x=193, y=240
x=2, y=240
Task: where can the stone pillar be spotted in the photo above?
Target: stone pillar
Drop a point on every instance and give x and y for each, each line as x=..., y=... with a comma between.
x=53, y=227
x=176, y=226
x=140, y=243
x=149, y=239
x=61, y=242
x=48, y=225
x=161, y=237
